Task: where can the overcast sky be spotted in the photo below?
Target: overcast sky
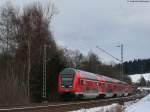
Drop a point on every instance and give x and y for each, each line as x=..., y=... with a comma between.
x=83, y=24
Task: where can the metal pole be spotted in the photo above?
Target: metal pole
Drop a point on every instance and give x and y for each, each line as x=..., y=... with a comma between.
x=44, y=75
x=122, y=62
x=108, y=53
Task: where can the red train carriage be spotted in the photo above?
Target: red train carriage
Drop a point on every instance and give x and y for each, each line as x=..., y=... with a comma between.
x=77, y=83
x=81, y=84
x=106, y=86
x=130, y=89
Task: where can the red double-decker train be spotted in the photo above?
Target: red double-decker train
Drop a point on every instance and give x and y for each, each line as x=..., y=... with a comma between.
x=75, y=83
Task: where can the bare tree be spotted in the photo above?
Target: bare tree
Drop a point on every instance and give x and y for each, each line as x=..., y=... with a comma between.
x=22, y=36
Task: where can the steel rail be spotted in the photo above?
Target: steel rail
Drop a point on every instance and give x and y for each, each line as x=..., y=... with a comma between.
x=60, y=105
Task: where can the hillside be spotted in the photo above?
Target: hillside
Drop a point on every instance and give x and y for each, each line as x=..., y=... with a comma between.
x=136, y=77
x=137, y=66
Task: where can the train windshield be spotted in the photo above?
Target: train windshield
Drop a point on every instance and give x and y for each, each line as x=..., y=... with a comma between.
x=67, y=77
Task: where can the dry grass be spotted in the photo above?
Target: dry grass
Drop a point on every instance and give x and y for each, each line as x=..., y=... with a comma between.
x=119, y=108
x=11, y=92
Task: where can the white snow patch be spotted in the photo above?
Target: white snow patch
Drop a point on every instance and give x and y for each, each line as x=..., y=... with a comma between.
x=127, y=104
x=109, y=108
x=142, y=105
x=143, y=88
x=137, y=77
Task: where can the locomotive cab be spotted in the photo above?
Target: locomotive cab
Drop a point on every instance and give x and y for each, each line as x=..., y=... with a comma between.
x=66, y=83
x=77, y=84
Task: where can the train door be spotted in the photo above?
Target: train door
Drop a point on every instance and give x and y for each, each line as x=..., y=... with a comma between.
x=102, y=87
x=81, y=85
x=91, y=89
x=115, y=90
x=109, y=90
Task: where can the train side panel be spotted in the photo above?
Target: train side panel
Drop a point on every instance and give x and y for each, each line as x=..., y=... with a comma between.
x=81, y=84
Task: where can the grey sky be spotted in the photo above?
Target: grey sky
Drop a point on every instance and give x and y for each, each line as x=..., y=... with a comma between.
x=83, y=24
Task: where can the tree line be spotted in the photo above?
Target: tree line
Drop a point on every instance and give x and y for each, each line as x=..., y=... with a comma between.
x=137, y=66
x=23, y=35
x=143, y=83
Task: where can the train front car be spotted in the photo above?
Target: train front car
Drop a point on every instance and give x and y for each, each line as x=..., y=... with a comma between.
x=79, y=84
x=66, y=81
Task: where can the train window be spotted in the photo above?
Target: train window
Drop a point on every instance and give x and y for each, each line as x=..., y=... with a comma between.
x=99, y=84
x=80, y=82
x=91, y=86
x=110, y=85
x=103, y=84
x=67, y=79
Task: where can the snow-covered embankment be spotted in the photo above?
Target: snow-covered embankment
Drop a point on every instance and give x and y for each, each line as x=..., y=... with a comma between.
x=142, y=105
x=109, y=108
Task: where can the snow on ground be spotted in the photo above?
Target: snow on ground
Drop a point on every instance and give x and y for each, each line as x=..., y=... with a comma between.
x=127, y=104
x=142, y=105
x=109, y=108
x=136, y=77
x=143, y=88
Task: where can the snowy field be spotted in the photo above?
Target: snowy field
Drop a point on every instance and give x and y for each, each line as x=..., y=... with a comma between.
x=142, y=105
x=110, y=108
x=136, y=77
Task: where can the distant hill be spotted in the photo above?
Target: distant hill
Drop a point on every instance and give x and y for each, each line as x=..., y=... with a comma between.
x=136, y=77
x=137, y=66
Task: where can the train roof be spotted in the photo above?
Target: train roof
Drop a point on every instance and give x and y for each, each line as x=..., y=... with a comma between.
x=89, y=75
x=82, y=73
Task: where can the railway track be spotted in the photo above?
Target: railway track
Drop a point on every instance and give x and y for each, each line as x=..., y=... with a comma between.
x=68, y=106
